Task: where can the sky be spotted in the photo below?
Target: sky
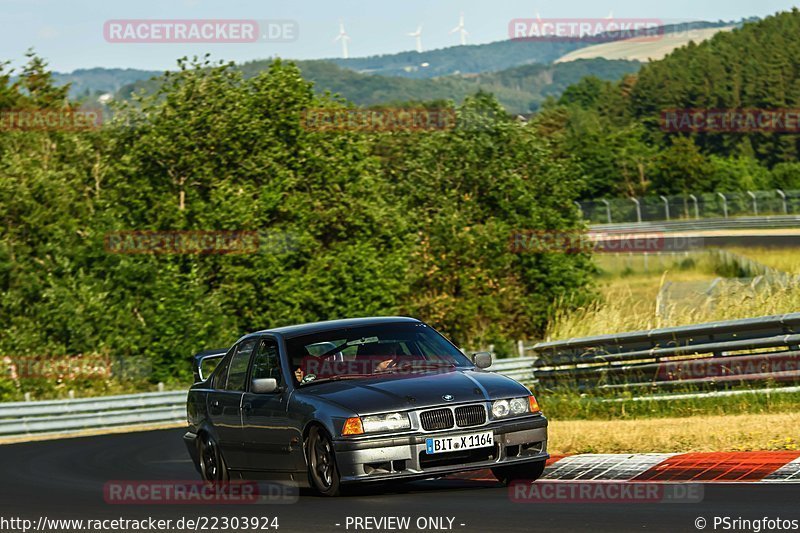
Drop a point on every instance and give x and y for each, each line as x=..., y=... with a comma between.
x=69, y=34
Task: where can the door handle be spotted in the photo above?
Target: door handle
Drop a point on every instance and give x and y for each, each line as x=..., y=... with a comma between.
x=215, y=403
x=247, y=407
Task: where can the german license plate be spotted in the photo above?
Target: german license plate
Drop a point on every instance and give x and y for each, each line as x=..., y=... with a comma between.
x=456, y=443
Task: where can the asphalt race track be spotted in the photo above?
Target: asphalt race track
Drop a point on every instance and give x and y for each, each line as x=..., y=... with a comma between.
x=65, y=479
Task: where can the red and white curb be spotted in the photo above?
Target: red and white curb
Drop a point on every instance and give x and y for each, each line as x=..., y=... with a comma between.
x=711, y=467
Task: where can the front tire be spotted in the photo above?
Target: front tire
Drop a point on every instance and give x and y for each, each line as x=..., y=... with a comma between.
x=212, y=466
x=323, y=473
x=524, y=472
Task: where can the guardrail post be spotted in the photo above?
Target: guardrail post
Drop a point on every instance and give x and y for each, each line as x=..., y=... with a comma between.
x=724, y=204
x=580, y=210
x=521, y=348
x=696, y=210
x=160, y=386
x=666, y=205
x=755, y=202
x=608, y=209
x=783, y=200
x=638, y=209
x=71, y=394
x=27, y=396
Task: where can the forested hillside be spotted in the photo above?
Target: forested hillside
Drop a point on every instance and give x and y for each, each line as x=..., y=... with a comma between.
x=614, y=128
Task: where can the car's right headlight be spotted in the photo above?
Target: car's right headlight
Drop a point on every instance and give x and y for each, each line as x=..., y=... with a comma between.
x=515, y=407
x=385, y=422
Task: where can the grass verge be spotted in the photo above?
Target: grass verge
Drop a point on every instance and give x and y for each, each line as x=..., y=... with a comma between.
x=719, y=433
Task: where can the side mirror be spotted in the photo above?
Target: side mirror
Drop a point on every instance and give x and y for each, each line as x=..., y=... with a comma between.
x=264, y=385
x=482, y=359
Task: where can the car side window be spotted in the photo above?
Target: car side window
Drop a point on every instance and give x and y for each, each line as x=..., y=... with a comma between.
x=221, y=374
x=237, y=370
x=267, y=362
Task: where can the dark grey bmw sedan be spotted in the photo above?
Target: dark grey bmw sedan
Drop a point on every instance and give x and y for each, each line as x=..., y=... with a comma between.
x=360, y=400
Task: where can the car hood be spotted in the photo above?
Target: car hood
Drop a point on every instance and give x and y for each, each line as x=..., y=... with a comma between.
x=399, y=392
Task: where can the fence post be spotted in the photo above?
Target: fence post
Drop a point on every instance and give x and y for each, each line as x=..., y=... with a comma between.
x=638, y=209
x=783, y=199
x=608, y=209
x=724, y=204
x=666, y=205
x=696, y=210
x=755, y=202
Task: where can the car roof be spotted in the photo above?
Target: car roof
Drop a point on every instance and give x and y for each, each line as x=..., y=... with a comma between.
x=328, y=325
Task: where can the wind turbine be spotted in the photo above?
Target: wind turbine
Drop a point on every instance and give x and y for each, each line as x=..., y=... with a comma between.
x=344, y=38
x=461, y=30
x=418, y=35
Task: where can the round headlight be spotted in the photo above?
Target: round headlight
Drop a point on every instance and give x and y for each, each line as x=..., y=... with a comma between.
x=500, y=408
x=519, y=406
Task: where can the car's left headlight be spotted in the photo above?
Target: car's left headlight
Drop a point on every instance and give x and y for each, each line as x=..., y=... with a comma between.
x=385, y=422
x=514, y=407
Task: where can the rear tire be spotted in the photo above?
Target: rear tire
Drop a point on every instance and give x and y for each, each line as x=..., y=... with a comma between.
x=212, y=465
x=323, y=473
x=524, y=472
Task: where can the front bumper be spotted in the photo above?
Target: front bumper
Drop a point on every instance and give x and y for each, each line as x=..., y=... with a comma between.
x=388, y=458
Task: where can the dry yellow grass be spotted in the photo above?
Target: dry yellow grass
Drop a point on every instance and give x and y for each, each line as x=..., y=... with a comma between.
x=783, y=259
x=642, y=49
x=628, y=305
x=695, y=434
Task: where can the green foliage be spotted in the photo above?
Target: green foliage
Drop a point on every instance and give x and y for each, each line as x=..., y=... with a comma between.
x=371, y=224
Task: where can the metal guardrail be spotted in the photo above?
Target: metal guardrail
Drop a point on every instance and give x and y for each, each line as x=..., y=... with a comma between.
x=519, y=368
x=63, y=416
x=22, y=418
x=756, y=350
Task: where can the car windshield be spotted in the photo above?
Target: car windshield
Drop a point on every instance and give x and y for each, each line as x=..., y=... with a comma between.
x=352, y=353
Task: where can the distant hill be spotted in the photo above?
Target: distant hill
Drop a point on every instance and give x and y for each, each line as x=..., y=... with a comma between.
x=469, y=59
x=91, y=83
x=519, y=89
x=453, y=61
x=501, y=55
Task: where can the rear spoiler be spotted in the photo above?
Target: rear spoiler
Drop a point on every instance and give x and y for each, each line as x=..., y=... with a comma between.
x=200, y=358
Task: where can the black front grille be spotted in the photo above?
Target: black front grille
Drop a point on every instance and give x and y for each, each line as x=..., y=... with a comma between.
x=470, y=415
x=436, y=419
